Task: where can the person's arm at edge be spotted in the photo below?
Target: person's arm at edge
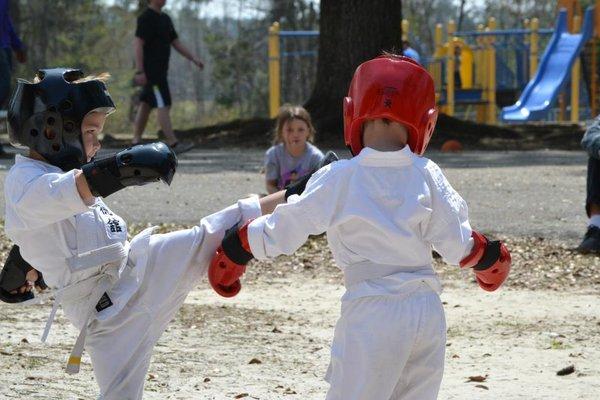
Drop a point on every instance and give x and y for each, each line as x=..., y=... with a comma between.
x=591, y=139
x=15, y=42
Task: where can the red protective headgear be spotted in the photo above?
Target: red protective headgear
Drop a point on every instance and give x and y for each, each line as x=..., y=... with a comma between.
x=392, y=87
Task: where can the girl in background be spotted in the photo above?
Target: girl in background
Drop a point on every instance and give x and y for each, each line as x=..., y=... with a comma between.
x=292, y=155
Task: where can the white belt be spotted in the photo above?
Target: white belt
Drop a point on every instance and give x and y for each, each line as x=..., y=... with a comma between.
x=366, y=270
x=111, y=257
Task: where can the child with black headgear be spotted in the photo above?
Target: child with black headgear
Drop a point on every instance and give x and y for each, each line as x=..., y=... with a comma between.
x=383, y=212
x=120, y=294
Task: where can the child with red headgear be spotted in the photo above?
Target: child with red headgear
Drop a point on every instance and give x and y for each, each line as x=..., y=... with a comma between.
x=383, y=211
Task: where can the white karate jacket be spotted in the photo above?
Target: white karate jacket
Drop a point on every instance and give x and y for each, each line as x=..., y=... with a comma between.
x=382, y=211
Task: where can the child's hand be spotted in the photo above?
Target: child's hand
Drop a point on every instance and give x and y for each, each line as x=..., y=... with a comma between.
x=32, y=276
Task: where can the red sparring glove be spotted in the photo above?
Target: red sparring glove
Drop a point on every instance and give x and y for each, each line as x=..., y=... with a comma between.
x=490, y=262
x=229, y=262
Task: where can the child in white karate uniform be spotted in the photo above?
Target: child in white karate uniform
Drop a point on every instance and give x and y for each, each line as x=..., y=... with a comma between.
x=383, y=211
x=119, y=294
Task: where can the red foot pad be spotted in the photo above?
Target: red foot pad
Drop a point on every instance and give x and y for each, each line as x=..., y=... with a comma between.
x=224, y=274
x=229, y=262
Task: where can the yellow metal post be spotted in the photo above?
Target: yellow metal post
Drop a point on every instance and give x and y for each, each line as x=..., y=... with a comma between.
x=594, y=77
x=274, y=70
x=438, y=40
x=491, y=61
x=527, y=40
x=575, y=76
x=435, y=68
x=534, y=47
x=480, y=59
x=450, y=66
x=480, y=74
x=405, y=28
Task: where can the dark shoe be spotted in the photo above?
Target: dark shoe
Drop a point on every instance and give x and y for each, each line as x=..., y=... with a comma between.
x=181, y=147
x=591, y=241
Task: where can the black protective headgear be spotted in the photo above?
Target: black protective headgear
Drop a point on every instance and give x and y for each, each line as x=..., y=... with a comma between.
x=46, y=116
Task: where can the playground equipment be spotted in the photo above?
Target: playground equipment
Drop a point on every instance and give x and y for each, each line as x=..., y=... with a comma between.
x=277, y=56
x=560, y=58
x=506, y=63
x=480, y=71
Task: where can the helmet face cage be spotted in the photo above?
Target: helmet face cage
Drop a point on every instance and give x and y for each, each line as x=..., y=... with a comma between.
x=47, y=116
x=395, y=88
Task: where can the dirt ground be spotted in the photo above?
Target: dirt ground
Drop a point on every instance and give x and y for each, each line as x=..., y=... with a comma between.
x=272, y=341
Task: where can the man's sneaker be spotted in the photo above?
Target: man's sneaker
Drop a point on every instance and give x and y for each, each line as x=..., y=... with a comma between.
x=591, y=241
x=180, y=147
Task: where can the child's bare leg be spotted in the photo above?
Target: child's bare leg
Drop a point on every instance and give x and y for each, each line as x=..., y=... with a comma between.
x=164, y=120
x=141, y=119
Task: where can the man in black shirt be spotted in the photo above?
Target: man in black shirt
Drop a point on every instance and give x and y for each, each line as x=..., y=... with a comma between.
x=154, y=36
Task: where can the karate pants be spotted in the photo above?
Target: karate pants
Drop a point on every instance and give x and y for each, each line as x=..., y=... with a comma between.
x=121, y=347
x=389, y=347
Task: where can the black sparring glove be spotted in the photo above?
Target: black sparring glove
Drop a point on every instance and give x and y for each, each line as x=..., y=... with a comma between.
x=13, y=276
x=137, y=165
x=299, y=186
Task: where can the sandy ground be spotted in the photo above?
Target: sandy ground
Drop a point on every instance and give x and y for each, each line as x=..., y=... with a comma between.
x=272, y=341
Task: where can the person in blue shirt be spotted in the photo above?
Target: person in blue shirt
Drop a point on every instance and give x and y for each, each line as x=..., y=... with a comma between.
x=410, y=52
x=591, y=143
x=9, y=42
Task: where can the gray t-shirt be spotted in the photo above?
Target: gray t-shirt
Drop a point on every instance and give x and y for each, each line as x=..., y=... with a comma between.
x=280, y=166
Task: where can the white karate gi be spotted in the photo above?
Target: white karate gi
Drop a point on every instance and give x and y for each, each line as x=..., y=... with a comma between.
x=147, y=282
x=383, y=212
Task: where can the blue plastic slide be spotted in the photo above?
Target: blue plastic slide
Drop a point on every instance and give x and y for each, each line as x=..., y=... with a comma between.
x=554, y=70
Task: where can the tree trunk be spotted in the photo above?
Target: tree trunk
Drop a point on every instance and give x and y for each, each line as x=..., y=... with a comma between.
x=351, y=32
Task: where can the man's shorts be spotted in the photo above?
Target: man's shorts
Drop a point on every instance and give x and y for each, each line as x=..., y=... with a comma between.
x=156, y=94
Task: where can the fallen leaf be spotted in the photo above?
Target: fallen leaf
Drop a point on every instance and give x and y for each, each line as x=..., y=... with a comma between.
x=566, y=370
x=477, y=378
